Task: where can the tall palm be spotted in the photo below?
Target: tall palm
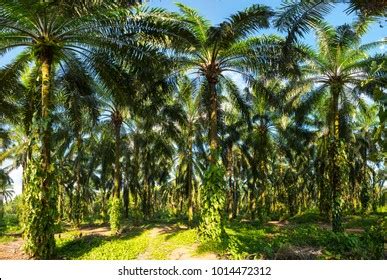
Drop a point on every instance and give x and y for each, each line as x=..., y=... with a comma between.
x=188, y=166
x=6, y=190
x=213, y=51
x=343, y=73
x=77, y=98
x=271, y=128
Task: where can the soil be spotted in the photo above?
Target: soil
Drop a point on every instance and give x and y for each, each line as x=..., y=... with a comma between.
x=13, y=250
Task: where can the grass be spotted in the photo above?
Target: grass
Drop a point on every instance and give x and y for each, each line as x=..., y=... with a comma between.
x=301, y=238
x=102, y=247
x=9, y=228
x=128, y=246
x=7, y=238
x=310, y=217
x=163, y=246
x=364, y=221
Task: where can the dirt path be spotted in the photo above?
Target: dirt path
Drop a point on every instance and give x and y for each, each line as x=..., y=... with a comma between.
x=285, y=224
x=181, y=253
x=188, y=253
x=102, y=231
x=12, y=250
x=148, y=252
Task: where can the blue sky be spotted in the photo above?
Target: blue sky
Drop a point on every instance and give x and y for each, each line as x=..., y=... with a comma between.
x=216, y=11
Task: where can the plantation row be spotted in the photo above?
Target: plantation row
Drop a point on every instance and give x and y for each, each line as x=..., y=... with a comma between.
x=123, y=112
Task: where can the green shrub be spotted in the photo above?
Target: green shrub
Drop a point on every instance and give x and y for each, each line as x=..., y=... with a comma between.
x=115, y=213
x=212, y=206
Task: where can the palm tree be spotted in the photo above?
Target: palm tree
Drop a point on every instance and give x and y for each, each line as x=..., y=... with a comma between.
x=76, y=94
x=188, y=166
x=6, y=190
x=339, y=70
x=213, y=51
x=271, y=134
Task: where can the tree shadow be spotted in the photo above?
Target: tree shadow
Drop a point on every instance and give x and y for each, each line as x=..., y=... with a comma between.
x=82, y=245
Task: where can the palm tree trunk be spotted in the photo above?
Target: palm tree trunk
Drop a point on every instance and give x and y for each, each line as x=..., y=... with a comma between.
x=262, y=190
x=189, y=184
x=230, y=165
x=252, y=202
x=190, y=196
x=46, y=104
x=325, y=194
x=337, y=225
x=1, y=206
x=364, y=192
x=46, y=242
x=126, y=201
x=235, y=200
x=104, y=206
x=213, y=117
x=117, y=165
x=40, y=201
x=78, y=189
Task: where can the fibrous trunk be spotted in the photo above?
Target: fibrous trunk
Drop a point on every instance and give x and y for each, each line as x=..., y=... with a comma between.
x=40, y=198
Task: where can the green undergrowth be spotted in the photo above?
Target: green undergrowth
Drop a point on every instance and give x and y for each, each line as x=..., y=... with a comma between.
x=301, y=239
x=9, y=228
x=152, y=242
x=310, y=217
x=6, y=238
x=95, y=247
x=164, y=244
x=364, y=221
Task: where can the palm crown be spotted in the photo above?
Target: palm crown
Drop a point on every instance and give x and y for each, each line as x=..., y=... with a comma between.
x=214, y=50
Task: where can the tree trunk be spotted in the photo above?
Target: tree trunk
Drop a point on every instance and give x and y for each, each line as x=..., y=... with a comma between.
x=41, y=199
x=325, y=205
x=1, y=207
x=78, y=188
x=337, y=225
x=126, y=201
x=46, y=106
x=252, y=203
x=235, y=200
x=189, y=183
x=230, y=167
x=117, y=165
x=364, y=192
x=213, y=117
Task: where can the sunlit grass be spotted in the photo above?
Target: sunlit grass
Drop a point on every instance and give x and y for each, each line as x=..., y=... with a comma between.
x=6, y=238
x=103, y=247
x=163, y=246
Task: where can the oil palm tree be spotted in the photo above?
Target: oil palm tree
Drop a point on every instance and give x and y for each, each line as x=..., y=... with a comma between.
x=188, y=166
x=270, y=129
x=342, y=73
x=75, y=95
x=212, y=51
x=6, y=190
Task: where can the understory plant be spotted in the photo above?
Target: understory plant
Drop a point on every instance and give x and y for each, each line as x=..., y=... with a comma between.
x=213, y=203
